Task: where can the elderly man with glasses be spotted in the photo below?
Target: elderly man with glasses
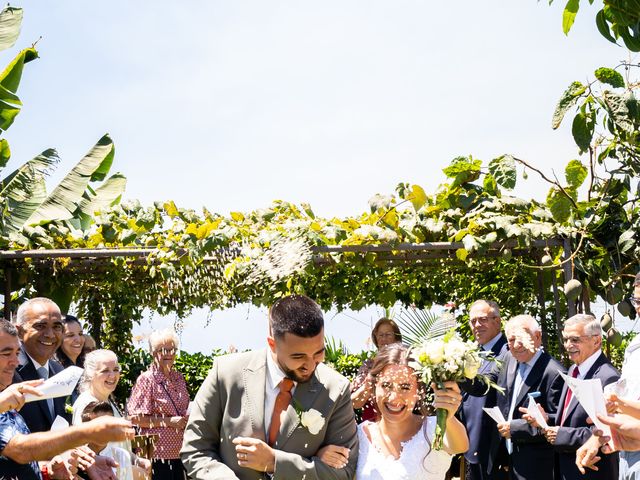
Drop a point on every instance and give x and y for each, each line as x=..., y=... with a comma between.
x=486, y=326
x=582, y=336
x=626, y=405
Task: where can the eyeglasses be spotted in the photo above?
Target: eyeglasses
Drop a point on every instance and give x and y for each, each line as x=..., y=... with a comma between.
x=482, y=320
x=381, y=336
x=575, y=340
x=167, y=351
x=635, y=301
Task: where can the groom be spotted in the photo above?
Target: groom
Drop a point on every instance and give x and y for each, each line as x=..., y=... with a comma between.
x=255, y=414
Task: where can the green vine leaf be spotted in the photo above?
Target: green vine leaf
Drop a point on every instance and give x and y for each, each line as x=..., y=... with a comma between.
x=463, y=170
x=582, y=130
x=610, y=76
x=490, y=185
x=567, y=100
x=559, y=205
x=417, y=196
x=575, y=173
x=504, y=171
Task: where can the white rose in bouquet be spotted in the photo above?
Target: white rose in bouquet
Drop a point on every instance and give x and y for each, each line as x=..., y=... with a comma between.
x=434, y=351
x=471, y=366
x=454, y=349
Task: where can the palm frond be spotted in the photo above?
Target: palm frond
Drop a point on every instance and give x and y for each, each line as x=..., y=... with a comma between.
x=333, y=349
x=418, y=325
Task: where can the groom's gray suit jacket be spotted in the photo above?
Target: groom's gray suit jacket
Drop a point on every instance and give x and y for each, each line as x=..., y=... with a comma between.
x=230, y=403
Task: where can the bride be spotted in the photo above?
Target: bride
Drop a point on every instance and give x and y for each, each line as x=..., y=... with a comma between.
x=398, y=446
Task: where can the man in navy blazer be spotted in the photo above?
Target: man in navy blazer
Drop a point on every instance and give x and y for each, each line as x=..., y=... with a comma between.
x=515, y=447
x=485, y=323
x=582, y=336
x=39, y=324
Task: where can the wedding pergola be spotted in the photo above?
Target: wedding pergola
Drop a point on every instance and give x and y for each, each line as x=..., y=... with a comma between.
x=418, y=255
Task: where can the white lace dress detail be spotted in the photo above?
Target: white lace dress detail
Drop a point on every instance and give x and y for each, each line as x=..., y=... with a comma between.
x=417, y=460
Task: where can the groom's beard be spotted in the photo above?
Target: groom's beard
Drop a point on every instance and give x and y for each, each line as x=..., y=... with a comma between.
x=293, y=375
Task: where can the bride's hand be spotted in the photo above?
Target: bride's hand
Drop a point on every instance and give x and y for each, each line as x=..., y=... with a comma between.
x=334, y=456
x=448, y=398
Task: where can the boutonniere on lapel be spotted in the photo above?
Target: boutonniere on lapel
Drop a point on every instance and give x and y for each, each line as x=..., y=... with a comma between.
x=68, y=408
x=310, y=419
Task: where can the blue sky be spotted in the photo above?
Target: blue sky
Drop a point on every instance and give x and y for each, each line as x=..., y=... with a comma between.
x=232, y=104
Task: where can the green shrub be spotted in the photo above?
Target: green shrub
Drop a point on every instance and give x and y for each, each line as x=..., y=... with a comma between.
x=196, y=366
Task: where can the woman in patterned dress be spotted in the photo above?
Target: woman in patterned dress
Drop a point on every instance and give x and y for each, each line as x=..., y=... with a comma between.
x=159, y=403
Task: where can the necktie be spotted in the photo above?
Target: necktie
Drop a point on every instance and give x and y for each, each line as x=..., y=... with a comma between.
x=282, y=402
x=43, y=373
x=517, y=386
x=567, y=399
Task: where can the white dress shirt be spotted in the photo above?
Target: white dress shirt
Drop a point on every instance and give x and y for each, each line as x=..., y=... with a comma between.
x=272, y=388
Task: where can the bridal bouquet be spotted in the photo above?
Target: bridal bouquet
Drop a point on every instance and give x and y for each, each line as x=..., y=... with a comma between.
x=449, y=357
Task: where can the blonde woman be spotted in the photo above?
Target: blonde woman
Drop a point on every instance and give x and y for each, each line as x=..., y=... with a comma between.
x=159, y=403
x=99, y=380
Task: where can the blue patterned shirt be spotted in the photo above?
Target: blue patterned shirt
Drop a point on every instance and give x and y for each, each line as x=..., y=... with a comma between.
x=12, y=424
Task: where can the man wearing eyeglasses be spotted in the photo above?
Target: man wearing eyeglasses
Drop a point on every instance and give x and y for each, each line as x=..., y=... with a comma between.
x=485, y=323
x=582, y=336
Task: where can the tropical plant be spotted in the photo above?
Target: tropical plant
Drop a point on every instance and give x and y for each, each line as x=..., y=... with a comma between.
x=25, y=206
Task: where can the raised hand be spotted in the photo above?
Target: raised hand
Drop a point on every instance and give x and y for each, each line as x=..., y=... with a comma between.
x=625, y=432
x=616, y=404
x=107, y=429
x=448, y=397
x=102, y=468
x=12, y=397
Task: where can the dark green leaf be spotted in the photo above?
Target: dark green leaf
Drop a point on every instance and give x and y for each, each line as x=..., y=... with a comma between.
x=504, y=171
x=582, y=131
x=603, y=26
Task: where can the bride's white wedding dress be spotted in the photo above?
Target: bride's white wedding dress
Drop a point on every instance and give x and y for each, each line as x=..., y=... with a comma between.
x=417, y=460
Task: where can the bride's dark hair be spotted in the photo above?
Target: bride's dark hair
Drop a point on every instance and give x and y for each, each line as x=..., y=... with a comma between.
x=399, y=354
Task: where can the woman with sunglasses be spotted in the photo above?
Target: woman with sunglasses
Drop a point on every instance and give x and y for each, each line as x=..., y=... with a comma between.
x=159, y=403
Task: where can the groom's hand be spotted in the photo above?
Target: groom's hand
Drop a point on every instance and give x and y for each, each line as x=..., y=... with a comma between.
x=255, y=454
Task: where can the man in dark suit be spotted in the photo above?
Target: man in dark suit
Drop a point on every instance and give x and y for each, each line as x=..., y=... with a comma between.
x=485, y=323
x=515, y=447
x=40, y=328
x=582, y=336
